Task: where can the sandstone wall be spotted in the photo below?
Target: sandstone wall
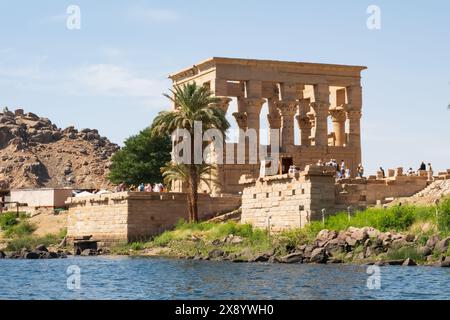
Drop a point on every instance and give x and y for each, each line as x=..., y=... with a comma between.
x=370, y=191
x=293, y=200
x=131, y=216
x=290, y=200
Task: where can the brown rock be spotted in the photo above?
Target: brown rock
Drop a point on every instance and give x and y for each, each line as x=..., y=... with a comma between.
x=318, y=256
x=409, y=262
x=442, y=246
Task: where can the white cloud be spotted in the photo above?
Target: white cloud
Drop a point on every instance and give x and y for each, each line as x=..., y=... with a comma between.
x=153, y=15
x=116, y=81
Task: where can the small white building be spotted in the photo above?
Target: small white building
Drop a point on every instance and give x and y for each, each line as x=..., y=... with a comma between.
x=42, y=197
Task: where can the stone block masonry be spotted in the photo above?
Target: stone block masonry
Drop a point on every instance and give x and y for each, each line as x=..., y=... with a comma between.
x=292, y=200
x=289, y=200
x=132, y=216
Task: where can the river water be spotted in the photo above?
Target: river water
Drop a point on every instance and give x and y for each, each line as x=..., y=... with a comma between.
x=160, y=278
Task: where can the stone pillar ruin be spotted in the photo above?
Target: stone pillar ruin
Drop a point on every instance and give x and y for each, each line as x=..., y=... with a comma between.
x=338, y=118
x=320, y=108
x=252, y=107
x=304, y=122
x=288, y=109
x=274, y=119
x=354, y=94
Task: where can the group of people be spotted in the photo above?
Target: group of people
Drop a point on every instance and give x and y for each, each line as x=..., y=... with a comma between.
x=142, y=187
x=342, y=171
x=410, y=172
x=423, y=167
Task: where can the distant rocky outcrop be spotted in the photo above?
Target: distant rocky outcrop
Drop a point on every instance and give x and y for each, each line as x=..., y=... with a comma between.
x=34, y=152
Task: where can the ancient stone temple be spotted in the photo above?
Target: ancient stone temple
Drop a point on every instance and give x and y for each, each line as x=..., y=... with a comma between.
x=324, y=100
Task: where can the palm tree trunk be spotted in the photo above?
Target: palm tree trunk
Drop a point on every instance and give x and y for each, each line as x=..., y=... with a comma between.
x=193, y=192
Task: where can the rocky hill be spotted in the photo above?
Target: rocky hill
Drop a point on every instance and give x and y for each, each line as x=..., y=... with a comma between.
x=34, y=152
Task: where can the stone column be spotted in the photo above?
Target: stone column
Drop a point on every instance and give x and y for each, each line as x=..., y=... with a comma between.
x=274, y=119
x=354, y=128
x=252, y=107
x=320, y=110
x=223, y=103
x=304, y=122
x=320, y=107
x=288, y=109
x=354, y=94
x=338, y=118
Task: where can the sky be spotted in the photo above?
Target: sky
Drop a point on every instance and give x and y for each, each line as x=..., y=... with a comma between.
x=111, y=72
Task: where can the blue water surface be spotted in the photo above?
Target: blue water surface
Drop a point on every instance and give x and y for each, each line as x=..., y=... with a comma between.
x=111, y=277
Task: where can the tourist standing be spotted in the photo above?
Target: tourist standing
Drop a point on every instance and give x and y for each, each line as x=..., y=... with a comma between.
x=347, y=174
x=360, y=170
x=422, y=166
x=410, y=172
x=382, y=172
x=343, y=169
x=141, y=187
x=430, y=172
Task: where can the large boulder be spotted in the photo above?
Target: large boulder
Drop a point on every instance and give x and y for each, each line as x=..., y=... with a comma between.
x=359, y=234
x=41, y=247
x=432, y=241
x=446, y=262
x=215, y=254
x=424, y=251
x=351, y=242
x=335, y=247
x=31, y=255
x=442, y=246
x=2, y=255
x=318, y=256
x=409, y=262
x=296, y=257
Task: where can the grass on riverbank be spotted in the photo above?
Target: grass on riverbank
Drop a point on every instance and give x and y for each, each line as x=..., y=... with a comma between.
x=20, y=232
x=197, y=239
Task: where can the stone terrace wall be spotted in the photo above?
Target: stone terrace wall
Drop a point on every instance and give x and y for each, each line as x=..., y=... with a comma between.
x=290, y=200
x=130, y=216
x=293, y=200
x=370, y=191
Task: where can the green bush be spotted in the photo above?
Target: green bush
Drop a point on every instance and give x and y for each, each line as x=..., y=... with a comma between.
x=137, y=246
x=163, y=239
x=23, y=228
x=404, y=253
x=396, y=218
x=443, y=219
x=8, y=220
x=29, y=242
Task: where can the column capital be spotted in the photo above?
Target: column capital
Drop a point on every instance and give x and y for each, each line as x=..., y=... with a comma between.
x=222, y=103
x=337, y=113
x=274, y=119
x=354, y=114
x=241, y=119
x=287, y=107
x=304, y=122
x=251, y=105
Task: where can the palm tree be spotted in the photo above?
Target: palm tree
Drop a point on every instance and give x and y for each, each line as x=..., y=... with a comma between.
x=192, y=103
x=181, y=172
